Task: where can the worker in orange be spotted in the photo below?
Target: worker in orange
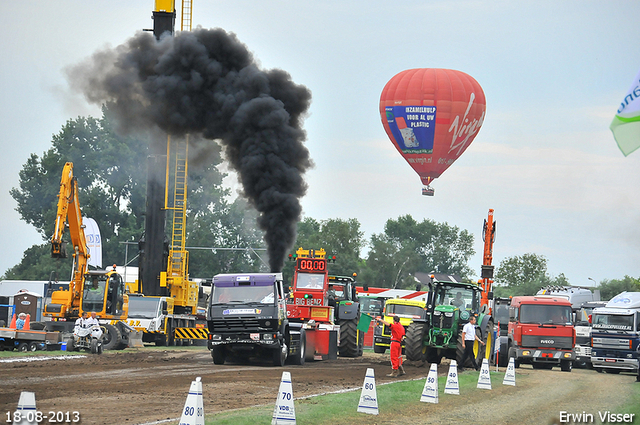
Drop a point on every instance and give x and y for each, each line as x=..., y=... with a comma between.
x=397, y=336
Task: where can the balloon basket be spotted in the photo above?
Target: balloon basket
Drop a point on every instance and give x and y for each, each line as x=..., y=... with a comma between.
x=428, y=191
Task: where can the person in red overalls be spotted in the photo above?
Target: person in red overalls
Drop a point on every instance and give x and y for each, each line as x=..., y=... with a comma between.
x=397, y=336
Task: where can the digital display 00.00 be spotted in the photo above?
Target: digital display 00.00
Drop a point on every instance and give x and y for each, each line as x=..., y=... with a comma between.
x=312, y=264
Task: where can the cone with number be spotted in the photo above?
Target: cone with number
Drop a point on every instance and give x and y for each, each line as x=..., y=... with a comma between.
x=430, y=391
x=452, y=386
x=369, y=397
x=510, y=375
x=193, y=412
x=284, y=412
x=484, y=380
x=26, y=411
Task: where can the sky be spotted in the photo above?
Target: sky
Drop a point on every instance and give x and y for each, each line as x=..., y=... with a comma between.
x=553, y=73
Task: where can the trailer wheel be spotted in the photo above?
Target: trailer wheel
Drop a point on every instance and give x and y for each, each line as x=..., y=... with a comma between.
x=280, y=354
x=379, y=349
x=348, y=338
x=111, y=338
x=300, y=357
x=33, y=346
x=413, y=344
x=218, y=354
x=23, y=347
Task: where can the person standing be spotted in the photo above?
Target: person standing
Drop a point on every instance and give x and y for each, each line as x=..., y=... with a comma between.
x=397, y=336
x=468, y=338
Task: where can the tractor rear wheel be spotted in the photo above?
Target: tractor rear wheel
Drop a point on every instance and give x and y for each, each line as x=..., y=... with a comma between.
x=414, y=346
x=349, y=339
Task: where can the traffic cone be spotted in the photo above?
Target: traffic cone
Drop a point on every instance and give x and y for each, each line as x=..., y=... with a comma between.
x=430, y=391
x=510, y=375
x=284, y=412
x=452, y=386
x=26, y=411
x=484, y=380
x=369, y=397
x=193, y=412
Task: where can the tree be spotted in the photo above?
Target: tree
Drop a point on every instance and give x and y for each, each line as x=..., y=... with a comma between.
x=408, y=246
x=342, y=238
x=524, y=275
x=111, y=173
x=611, y=288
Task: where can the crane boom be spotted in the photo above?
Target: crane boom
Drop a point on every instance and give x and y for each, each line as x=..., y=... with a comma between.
x=488, y=236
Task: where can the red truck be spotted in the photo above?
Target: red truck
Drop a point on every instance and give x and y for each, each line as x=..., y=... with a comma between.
x=541, y=332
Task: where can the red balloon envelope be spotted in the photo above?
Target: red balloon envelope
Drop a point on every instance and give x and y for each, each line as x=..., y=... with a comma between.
x=432, y=116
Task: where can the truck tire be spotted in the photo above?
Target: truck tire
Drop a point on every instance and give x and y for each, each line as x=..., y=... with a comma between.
x=111, y=338
x=512, y=353
x=218, y=354
x=503, y=355
x=23, y=347
x=566, y=365
x=33, y=346
x=280, y=354
x=414, y=346
x=348, y=339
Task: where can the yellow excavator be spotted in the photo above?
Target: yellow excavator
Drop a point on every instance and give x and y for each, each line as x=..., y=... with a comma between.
x=99, y=291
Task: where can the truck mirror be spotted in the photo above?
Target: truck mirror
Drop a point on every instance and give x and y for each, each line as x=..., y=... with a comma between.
x=512, y=314
x=165, y=312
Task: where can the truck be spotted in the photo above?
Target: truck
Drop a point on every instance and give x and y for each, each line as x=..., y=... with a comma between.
x=541, y=332
x=27, y=340
x=247, y=317
x=616, y=334
x=583, y=327
x=161, y=324
x=406, y=310
x=330, y=322
x=99, y=291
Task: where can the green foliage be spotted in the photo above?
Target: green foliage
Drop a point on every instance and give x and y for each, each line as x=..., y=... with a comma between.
x=408, y=246
x=611, y=288
x=524, y=275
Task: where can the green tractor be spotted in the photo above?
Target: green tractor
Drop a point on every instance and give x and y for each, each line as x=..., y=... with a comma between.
x=450, y=304
x=342, y=297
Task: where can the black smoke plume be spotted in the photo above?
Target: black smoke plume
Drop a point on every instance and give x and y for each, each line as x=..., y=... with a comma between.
x=207, y=83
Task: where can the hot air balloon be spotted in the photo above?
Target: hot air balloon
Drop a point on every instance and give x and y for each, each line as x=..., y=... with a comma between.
x=432, y=116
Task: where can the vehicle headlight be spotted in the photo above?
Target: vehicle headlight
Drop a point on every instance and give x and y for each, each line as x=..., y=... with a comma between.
x=448, y=314
x=216, y=337
x=268, y=337
x=437, y=313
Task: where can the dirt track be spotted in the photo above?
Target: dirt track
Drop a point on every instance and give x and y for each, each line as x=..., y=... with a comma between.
x=147, y=385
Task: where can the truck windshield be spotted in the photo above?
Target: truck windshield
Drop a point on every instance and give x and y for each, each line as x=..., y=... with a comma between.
x=310, y=281
x=243, y=294
x=613, y=322
x=501, y=314
x=143, y=308
x=371, y=305
x=545, y=314
x=411, y=311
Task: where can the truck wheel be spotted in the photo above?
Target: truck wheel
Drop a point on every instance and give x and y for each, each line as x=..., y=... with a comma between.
x=219, y=355
x=414, y=342
x=280, y=354
x=566, y=365
x=512, y=354
x=111, y=338
x=33, y=346
x=23, y=347
x=379, y=349
x=503, y=355
x=348, y=339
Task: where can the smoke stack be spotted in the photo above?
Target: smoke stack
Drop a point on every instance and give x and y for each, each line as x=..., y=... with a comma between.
x=206, y=82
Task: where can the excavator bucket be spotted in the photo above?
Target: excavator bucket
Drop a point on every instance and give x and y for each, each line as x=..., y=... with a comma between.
x=135, y=339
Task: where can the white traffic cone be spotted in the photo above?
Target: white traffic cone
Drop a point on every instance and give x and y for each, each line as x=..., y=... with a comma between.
x=510, y=375
x=430, y=391
x=452, y=386
x=26, y=411
x=369, y=397
x=484, y=380
x=193, y=412
x=284, y=412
